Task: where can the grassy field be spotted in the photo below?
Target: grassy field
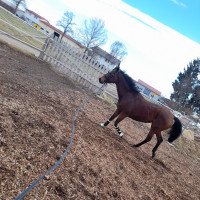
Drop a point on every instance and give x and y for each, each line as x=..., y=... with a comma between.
x=11, y=24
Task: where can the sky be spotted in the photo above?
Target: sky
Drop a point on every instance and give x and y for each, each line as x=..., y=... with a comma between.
x=161, y=36
x=181, y=15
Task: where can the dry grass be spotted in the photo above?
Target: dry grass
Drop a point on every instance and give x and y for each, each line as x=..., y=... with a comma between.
x=11, y=24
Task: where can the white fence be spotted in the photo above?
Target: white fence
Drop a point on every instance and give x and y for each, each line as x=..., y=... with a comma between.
x=73, y=63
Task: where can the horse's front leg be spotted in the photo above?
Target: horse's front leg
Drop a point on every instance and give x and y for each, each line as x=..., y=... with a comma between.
x=119, y=119
x=115, y=114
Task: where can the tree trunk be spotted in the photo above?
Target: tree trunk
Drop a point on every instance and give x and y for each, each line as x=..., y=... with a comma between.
x=65, y=30
x=62, y=36
x=16, y=8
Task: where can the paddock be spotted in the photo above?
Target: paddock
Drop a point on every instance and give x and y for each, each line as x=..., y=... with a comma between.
x=37, y=107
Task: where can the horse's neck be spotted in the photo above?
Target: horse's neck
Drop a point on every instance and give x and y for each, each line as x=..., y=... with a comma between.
x=122, y=88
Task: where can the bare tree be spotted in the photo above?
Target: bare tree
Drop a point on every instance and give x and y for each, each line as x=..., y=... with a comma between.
x=66, y=23
x=118, y=50
x=18, y=3
x=93, y=33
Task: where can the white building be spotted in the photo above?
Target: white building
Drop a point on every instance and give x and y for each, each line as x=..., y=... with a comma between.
x=31, y=17
x=43, y=25
x=148, y=90
x=104, y=58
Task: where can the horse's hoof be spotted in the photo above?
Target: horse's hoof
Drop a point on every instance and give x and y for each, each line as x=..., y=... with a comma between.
x=121, y=135
x=102, y=125
x=153, y=154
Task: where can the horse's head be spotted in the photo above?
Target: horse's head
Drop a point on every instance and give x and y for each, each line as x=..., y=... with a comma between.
x=110, y=77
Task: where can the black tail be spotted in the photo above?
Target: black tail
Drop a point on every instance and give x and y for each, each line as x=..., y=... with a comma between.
x=175, y=131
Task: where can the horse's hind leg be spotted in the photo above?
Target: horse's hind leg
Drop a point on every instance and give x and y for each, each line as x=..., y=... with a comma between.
x=147, y=139
x=115, y=114
x=159, y=141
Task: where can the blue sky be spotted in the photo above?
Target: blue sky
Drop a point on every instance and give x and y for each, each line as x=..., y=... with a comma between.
x=161, y=36
x=181, y=15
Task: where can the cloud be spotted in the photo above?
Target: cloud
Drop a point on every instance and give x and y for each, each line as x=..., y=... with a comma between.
x=179, y=3
x=156, y=53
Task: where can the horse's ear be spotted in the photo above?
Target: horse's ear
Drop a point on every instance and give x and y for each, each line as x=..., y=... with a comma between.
x=118, y=67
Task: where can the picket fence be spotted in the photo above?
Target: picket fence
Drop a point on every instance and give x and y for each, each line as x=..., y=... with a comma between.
x=75, y=64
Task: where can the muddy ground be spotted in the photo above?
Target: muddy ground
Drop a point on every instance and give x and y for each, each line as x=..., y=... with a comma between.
x=36, y=109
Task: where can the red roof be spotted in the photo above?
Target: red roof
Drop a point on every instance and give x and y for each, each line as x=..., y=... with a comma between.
x=40, y=17
x=149, y=87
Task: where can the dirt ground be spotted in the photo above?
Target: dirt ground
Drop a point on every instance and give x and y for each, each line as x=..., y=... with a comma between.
x=36, y=110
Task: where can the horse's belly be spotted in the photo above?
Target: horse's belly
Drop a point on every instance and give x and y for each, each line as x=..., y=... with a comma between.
x=141, y=118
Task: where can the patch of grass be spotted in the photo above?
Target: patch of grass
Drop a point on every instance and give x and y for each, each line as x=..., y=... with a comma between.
x=11, y=24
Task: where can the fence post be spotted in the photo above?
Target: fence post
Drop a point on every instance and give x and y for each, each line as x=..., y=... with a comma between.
x=44, y=47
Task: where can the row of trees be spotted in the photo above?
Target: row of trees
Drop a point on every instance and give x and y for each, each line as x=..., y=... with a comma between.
x=92, y=33
x=187, y=87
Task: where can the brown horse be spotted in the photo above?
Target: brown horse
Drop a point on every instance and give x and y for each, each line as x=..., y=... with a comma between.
x=132, y=104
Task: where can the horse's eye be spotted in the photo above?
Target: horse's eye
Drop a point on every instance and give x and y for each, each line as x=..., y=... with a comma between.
x=111, y=74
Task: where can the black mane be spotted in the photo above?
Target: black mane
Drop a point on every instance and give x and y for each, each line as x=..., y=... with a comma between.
x=131, y=83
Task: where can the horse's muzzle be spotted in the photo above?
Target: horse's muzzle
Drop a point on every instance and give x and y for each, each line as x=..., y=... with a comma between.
x=101, y=80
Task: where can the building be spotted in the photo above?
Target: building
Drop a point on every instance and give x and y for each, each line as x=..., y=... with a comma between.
x=148, y=90
x=43, y=25
x=104, y=58
x=55, y=33
x=10, y=6
x=7, y=5
x=32, y=18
